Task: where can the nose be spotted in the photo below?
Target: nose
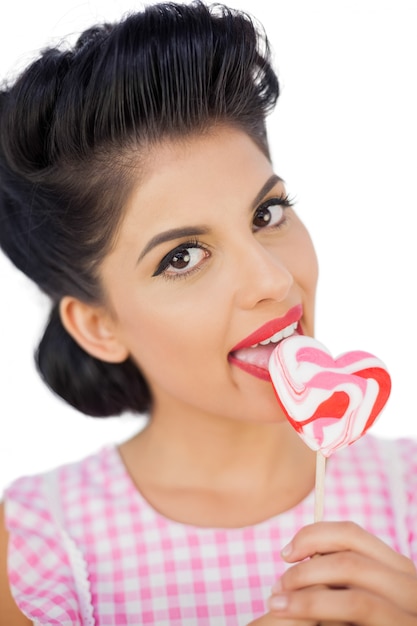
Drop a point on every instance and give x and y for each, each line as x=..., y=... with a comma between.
x=262, y=275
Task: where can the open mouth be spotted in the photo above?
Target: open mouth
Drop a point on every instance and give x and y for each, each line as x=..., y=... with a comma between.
x=253, y=353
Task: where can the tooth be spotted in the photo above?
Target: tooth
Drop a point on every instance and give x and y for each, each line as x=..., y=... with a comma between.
x=286, y=332
x=277, y=337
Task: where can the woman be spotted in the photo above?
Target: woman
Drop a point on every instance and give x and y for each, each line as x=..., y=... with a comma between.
x=138, y=192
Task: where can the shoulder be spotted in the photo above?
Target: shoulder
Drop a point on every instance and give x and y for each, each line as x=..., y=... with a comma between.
x=379, y=472
x=384, y=453
x=34, y=497
x=374, y=483
x=376, y=458
x=40, y=574
x=384, y=466
x=401, y=459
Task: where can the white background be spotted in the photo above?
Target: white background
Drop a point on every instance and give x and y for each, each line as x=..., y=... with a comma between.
x=344, y=137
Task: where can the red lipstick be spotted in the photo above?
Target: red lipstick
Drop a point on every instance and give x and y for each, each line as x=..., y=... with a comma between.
x=255, y=360
x=270, y=328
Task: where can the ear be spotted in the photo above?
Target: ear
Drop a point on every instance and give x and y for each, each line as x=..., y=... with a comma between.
x=93, y=328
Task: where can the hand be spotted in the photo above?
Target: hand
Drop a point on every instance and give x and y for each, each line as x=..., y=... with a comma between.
x=270, y=619
x=357, y=580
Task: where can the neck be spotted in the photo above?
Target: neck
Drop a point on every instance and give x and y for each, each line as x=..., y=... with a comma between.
x=264, y=464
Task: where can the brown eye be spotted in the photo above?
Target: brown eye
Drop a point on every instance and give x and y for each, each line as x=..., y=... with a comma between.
x=262, y=217
x=270, y=213
x=183, y=260
x=180, y=260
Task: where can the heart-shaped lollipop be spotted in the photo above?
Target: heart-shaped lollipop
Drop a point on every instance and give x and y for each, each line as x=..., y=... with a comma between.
x=330, y=402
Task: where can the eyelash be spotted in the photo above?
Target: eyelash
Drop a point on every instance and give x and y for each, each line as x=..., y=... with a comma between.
x=164, y=264
x=282, y=200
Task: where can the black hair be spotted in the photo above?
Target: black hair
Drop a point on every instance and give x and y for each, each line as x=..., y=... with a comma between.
x=71, y=126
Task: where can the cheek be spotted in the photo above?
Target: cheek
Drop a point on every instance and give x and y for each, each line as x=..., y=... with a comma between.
x=164, y=337
x=307, y=279
x=312, y=270
x=305, y=265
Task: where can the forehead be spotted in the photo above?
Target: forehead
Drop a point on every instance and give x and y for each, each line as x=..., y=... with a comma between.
x=190, y=175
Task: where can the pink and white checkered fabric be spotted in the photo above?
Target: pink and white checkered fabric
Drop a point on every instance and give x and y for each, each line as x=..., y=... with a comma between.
x=142, y=568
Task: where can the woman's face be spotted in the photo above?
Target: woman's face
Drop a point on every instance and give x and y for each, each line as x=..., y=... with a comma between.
x=209, y=260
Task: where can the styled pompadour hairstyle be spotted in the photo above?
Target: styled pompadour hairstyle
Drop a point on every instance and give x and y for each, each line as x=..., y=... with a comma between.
x=72, y=126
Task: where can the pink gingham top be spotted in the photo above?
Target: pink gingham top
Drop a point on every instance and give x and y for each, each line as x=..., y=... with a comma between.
x=86, y=548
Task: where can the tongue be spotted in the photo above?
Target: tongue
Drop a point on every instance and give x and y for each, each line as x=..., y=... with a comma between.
x=258, y=356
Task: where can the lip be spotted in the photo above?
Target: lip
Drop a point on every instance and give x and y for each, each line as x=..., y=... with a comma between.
x=271, y=327
x=264, y=332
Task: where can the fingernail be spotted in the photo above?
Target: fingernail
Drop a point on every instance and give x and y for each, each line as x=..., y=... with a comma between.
x=278, y=602
x=286, y=550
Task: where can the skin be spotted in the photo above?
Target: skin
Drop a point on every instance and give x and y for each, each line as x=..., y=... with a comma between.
x=356, y=580
x=208, y=414
x=243, y=280
x=218, y=450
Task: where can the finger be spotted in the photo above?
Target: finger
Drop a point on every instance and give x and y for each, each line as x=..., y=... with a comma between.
x=276, y=620
x=277, y=590
x=351, y=569
x=345, y=605
x=326, y=537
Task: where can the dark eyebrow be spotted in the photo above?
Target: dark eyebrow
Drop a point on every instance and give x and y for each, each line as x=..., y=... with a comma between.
x=270, y=183
x=174, y=233
x=192, y=231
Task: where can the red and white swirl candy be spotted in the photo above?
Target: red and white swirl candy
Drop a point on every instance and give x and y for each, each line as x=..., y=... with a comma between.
x=330, y=402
